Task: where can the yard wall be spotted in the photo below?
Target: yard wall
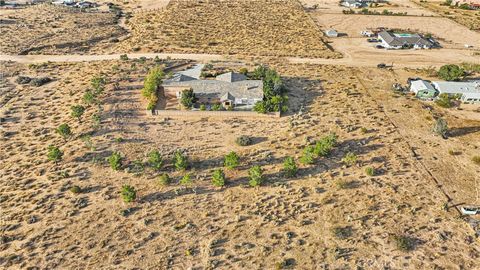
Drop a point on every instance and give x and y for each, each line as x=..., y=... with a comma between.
x=229, y=114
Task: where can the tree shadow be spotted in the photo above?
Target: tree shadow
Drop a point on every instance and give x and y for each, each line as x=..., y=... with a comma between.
x=457, y=132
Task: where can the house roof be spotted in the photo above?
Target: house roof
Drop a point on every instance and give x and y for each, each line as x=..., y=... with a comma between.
x=458, y=87
x=420, y=85
x=231, y=77
x=393, y=39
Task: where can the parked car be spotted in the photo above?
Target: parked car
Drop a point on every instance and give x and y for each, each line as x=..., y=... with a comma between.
x=381, y=65
x=470, y=210
x=379, y=46
x=372, y=40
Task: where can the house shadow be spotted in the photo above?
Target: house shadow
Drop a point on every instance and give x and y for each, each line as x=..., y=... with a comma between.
x=458, y=132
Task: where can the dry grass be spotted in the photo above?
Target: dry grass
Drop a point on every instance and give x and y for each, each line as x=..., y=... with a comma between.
x=252, y=27
x=52, y=30
x=468, y=18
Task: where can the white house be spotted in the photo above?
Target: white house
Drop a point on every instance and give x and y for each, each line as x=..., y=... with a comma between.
x=422, y=89
x=469, y=92
x=353, y=3
x=392, y=40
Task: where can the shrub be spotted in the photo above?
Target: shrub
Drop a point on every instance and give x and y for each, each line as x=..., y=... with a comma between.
x=152, y=81
x=440, y=127
x=290, y=167
x=203, y=107
x=451, y=72
x=231, y=160
x=89, y=97
x=350, y=159
x=180, y=161
x=23, y=80
x=164, y=179
x=256, y=176
x=444, y=101
x=404, y=243
x=115, y=161
x=308, y=156
x=155, y=160
x=54, y=154
x=129, y=194
x=75, y=189
x=216, y=107
x=188, y=98
x=64, y=131
x=243, y=71
x=218, y=178
x=324, y=146
x=243, y=140
x=124, y=57
x=476, y=160
x=96, y=120
x=186, y=180
x=342, y=232
x=98, y=84
x=342, y=184
x=370, y=171
x=77, y=111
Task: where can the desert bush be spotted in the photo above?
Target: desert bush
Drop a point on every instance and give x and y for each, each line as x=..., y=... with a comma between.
x=451, y=72
x=476, y=160
x=129, y=194
x=404, y=243
x=115, y=161
x=180, y=161
x=370, y=171
x=96, y=120
x=440, y=127
x=350, y=159
x=243, y=140
x=324, y=146
x=23, y=80
x=343, y=184
x=188, y=98
x=444, y=101
x=89, y=97
x=342, y=232
x=164, y=179
x=218, y=178
x=216, y=107
x=64, y=130
x=256, y=176
x=186, y=180
x=231, y=160
x=155, y=160
x=124, y=57
x=77, y=111
x=98, y=84
x=203, y=107
x=308, y=156
x=290, y=167
x=40, y=81
x=75, y=189
x=54, y=154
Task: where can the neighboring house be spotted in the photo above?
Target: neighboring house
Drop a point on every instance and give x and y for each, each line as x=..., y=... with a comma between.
x=353, y=3
x=392, y=40
x=470, y=3
x=331, y=33
x=422, y=89
x=469, y=92
x=229, y=89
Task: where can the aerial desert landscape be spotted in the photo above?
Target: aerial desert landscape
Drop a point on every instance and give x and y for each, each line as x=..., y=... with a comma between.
x=255, y=134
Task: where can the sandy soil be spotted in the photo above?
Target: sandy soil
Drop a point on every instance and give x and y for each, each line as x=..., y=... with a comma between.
x=45, y=225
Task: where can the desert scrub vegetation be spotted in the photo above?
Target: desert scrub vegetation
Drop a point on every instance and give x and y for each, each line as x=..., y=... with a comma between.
x=77, y=111
x=259, y=20
x=186, y=180
x=129, y=194
x=342, y=232
x=65, y=131
x=476, y=160
x=155, y=160
x=440, y=127
x=150, y=86
x=164, y=179
x=290, y=167
x=188, y=99
x=115, y=161
x=75, y=189
x=350, y=159
x=324, y=146
x=54, y=154
x=403, y=242
x=218, y=178
x=255, y=175
x=243, y=140
x=308, y=156
x=370, y=171
x=231, y=161
x=180, y=161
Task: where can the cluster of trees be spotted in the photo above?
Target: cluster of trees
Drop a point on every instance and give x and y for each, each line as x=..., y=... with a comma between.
x=366, y=11
x=274, y=91
x=451, y=72
x=150, y=86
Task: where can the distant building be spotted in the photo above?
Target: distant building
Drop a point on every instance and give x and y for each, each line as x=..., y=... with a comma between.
x=468, y=92
x=331, y=33
x=422, y=89
x=470, y=3
x=353, y=3
x=228, y=89
x=391, y=40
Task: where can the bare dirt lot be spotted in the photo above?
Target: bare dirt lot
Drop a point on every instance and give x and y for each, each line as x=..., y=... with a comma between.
x=253, y=27
x=52, y=30
x=330, y=215
x=468, y=18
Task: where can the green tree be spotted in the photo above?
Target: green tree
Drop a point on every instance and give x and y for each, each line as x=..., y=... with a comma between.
x=188, y=98
x=186, y=180
x=129, y=194
x=115, y=161
x=89, y=97
x=231, y=161
x=150, y=86
x=308, y=156
x=218, y=178
x=98, y=84
x=54, y=154
x=180, y=161
x=64, y=130
x=77, y=111
x=451, y=72
x=155, y=160
x=290, y=167
x=164, y=179
x=444, y=101
x=256, y=176
x=440, y=127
